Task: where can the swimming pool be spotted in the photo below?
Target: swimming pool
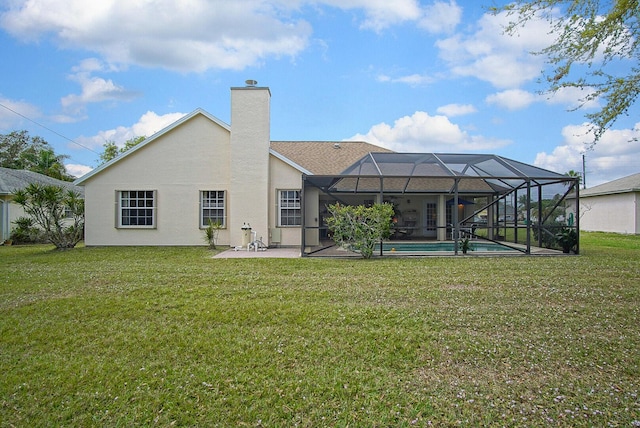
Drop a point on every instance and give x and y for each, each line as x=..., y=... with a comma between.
x=428, y=247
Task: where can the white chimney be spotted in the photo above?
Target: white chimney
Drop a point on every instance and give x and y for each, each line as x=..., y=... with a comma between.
x=250, y=140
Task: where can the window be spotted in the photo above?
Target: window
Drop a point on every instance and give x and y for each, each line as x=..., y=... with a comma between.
x=136, y=208
x=289, y=211
x=212, y=207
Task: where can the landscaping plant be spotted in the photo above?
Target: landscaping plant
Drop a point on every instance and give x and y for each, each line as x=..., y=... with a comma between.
x=211, y=233
x=58, y=212
x=360, y=228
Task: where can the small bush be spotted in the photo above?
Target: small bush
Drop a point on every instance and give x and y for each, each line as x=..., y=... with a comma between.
x=360, y=228
x=211, y=233
x=549, y=231
x=58, y=212
x=26, y=232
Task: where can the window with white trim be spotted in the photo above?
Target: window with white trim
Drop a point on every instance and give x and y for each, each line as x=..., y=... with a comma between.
x=137, y=208
x=289, y=208
x=212, y=207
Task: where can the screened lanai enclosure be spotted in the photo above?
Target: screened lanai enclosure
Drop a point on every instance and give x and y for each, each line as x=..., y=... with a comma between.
x=444, y=199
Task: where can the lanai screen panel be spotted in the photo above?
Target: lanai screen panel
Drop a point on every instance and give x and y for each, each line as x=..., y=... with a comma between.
x=435, y=173
x=430, y=185
x=474, y=186
x=395, y=184
x=369, y=185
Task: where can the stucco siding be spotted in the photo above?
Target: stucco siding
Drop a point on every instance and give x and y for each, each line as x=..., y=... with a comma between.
x=610, y=213
x=283, y=177
x=177, y=166
x=249, y=145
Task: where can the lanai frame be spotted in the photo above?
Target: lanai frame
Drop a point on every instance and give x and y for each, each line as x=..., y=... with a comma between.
x=455, y=176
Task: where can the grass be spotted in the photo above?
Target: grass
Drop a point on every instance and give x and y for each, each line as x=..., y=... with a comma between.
x=169, y=336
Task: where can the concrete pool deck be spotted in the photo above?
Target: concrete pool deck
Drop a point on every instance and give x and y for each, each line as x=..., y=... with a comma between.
x=332, y=251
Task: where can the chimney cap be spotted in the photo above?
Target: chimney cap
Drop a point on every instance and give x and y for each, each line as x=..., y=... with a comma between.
x=251, y=83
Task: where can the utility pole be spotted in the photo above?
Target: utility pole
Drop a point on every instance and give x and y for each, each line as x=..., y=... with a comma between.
x=584, y=171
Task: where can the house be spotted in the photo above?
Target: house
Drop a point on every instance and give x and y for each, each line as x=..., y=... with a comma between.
x=612, y=206
x=165, y=190
x=12, y=180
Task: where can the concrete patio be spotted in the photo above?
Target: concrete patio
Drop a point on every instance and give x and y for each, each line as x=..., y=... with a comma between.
x=281, y=253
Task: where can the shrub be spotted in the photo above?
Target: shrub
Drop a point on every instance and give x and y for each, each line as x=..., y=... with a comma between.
x=549, y=231
x=211, y=233
x=58, y=212
x=26, y=232
x=360, y=228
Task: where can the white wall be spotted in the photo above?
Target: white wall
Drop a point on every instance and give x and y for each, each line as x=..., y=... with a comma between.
x=178, y=165
x=9, y=212
x=250, y=139
x=284, y=177
x=197, y=155
x=611, y=213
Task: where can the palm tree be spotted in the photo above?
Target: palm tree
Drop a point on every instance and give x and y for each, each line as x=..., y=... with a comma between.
x=46, y=162
x=574, y=174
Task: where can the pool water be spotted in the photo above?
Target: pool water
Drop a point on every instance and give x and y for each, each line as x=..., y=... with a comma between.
x=424, y=247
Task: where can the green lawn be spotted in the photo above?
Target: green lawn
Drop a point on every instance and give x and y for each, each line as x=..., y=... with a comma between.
x=170, y=336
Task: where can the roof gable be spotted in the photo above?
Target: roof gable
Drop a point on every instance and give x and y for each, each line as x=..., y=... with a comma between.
x=12, y=180
x=151, y=139
x=627, y=184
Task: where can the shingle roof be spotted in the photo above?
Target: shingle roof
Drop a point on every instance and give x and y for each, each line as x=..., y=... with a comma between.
x=325, y=157
x=16, y=179
x=627, y=184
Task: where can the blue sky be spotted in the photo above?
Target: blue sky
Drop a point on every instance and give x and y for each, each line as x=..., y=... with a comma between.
x=410, y=75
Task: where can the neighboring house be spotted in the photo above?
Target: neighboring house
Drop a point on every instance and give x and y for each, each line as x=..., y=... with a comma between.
x=165, y=190
x=16, y=179
x=612, y=206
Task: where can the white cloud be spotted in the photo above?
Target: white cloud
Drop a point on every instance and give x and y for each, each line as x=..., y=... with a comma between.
x=490, y=55
x=573, y=98
x=379, y=14
x=512, y=99
x=14, y=113
x=411, y=80
x=77, y=170
x=421, y=132
x=452, y=110
x=518, y=99
x=441, y=17
x=148, y=124
x=203, y=34
x=94, y=89
x=437, y=17
x=615, y=155
x=195, y=37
